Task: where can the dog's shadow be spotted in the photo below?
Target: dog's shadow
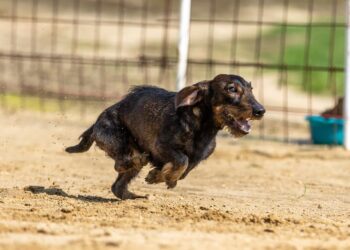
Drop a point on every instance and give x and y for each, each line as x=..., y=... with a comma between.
x=59, y=192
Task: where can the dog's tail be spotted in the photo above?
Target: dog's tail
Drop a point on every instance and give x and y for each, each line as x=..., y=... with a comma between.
x=84, y=144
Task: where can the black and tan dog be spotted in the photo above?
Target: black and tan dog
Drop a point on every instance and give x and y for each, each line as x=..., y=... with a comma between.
x=171, y=131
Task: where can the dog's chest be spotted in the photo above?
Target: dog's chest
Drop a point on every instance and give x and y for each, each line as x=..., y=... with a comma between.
x=198, y=135
x=201, y=147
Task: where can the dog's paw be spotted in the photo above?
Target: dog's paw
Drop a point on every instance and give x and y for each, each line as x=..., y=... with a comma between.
x=127, y=195
x=121, y=192
x=168, y=174
x=171, y=184
x=154, y=176
x=172, y=174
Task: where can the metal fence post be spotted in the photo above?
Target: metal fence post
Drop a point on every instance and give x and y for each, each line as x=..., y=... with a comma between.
x=185, y=16
x=347, y=81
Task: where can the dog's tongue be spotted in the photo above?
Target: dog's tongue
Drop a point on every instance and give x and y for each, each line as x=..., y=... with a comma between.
x=244, y=125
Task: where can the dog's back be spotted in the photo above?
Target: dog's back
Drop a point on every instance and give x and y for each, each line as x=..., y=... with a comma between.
x=144, y=111
x=141, y=111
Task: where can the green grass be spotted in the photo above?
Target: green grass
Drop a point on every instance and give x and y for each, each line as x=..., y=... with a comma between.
x=34, y=103
x=14, y=102
x=320, y=54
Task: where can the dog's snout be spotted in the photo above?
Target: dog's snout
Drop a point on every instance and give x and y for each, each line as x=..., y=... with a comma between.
x=259, y=111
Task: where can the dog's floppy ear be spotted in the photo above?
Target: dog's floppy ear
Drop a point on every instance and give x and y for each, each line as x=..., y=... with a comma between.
x=190, y=95
x=187, y=96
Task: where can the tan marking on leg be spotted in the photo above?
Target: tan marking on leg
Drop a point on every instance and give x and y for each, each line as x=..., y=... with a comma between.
x=139, y=160
x=154, y=176
x=171, y=175
x=197, y=112
x=119, y=169
x=168, y=174
x=167, y=169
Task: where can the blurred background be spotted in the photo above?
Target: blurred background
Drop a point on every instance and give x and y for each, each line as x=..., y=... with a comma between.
x=79, y=56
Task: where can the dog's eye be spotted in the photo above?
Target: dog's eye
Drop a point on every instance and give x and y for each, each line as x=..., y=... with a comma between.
x=232, y=89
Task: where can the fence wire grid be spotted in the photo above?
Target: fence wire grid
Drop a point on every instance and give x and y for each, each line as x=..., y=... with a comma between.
x=72, y=52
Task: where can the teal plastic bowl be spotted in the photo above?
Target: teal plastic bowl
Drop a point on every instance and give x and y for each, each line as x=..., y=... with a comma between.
x=326, y=130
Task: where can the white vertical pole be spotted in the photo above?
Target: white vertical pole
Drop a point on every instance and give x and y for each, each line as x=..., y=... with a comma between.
x=185, y=16
x=347, y=81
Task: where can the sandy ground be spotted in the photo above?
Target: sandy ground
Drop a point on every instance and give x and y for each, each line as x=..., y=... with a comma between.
x=248, y=195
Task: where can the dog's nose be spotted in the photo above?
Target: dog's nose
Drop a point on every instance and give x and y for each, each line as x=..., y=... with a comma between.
x=259, y=112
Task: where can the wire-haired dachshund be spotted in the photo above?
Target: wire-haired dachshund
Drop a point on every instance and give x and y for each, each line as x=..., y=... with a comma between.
x=173, y=131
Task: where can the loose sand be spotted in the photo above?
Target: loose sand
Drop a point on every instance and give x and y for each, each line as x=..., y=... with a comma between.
x=249, y=195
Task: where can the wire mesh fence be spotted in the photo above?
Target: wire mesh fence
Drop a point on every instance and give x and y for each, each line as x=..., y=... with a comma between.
x=70, y=52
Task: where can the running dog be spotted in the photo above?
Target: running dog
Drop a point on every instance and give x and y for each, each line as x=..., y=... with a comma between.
x=173, y=131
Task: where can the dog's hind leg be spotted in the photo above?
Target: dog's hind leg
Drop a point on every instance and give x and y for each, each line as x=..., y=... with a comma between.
x=112, y=137
x=120, y=186
x=125, y=163
x=127, y=169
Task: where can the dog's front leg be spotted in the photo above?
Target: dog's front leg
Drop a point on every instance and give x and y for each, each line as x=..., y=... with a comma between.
x=171, y=171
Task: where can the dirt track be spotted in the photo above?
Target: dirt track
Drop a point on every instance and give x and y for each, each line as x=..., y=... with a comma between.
x=248, y=195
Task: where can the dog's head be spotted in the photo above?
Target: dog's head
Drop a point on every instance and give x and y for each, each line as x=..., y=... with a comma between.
x=231, y=101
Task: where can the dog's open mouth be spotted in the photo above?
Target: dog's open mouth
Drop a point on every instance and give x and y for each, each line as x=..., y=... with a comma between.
x=238, y=126
x=243, y=125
